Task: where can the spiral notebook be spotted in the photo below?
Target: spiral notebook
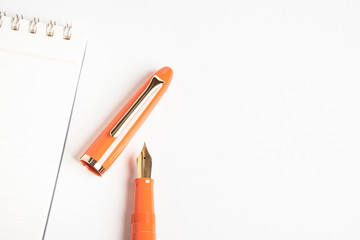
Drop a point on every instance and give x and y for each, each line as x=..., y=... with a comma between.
x=40, y=65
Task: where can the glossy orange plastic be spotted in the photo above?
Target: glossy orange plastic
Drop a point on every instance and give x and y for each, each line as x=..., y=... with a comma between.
x=105, y=140
x=143, y=216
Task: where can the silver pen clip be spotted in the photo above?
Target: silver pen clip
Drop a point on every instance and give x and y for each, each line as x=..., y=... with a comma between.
x=154, y=85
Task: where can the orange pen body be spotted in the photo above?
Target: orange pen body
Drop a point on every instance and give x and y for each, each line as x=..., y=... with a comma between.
x=143, y=216
x=102, y=153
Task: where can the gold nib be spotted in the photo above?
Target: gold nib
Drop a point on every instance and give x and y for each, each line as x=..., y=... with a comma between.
x=144, y=163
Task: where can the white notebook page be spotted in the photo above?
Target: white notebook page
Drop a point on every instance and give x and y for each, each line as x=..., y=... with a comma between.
x=38, y=79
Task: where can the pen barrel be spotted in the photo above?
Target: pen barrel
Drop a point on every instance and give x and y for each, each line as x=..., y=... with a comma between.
x=143, y=216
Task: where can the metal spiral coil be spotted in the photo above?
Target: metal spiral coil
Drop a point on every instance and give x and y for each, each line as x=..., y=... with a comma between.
x=33, y=25
x=1, y=15
x=67, y=33
x=50, y=28
x=16, y=22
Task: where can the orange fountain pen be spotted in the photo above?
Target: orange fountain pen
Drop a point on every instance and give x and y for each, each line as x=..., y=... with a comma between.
x=143, y=216
x=115, y=137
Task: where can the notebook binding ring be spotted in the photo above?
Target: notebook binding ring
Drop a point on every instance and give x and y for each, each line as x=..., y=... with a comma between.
x=1, y=15
x=67, y=31
x=15, y=22
x=50, y=28
x=33, y=25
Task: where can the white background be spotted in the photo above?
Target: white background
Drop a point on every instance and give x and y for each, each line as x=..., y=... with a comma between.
x=256, y=138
